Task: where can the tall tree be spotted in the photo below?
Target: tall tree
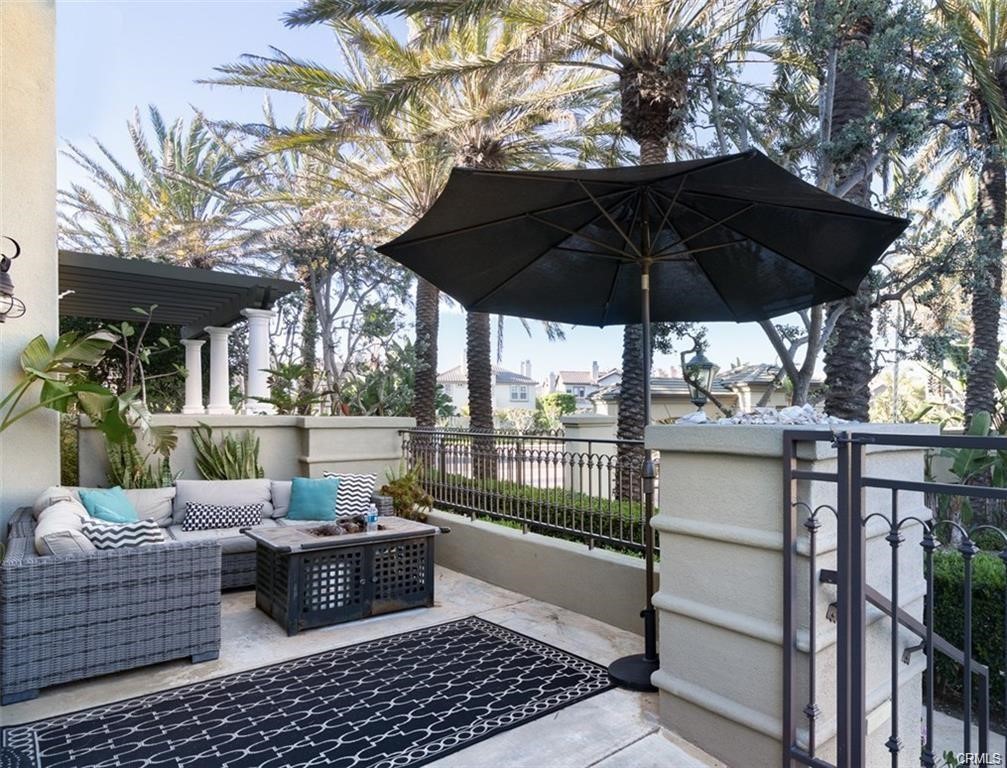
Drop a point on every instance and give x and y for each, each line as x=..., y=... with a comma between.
x=980, y=31
x=488, y=114
x=859, y=86
x=168, y=202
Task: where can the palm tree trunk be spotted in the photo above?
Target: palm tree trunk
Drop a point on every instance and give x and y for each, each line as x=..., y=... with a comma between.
x=309, y=349
x=427, y=321
x=631, y=413
x=478, y=350
x=653, y=151
x=849, y=353
x=987, y=284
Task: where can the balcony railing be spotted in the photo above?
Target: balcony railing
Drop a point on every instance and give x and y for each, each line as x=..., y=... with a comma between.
x=575, y=488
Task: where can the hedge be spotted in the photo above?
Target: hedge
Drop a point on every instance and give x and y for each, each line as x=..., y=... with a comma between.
x=988, y=582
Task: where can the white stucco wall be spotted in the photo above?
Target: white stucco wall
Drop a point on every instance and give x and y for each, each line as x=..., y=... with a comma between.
x=29, y=451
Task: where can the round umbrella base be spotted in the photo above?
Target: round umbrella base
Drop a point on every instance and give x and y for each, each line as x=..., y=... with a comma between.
x=634, y=672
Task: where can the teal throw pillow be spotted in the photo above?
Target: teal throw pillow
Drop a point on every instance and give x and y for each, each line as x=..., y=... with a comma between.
x=313, y=499
x=108, y=504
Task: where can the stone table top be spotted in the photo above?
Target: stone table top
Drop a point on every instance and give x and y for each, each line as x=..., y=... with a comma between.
x=297, y=539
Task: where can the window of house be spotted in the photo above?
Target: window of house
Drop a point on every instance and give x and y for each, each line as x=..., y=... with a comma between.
x=519, y=393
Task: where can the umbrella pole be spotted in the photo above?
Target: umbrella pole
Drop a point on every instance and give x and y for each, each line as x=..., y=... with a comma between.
x=634, y=671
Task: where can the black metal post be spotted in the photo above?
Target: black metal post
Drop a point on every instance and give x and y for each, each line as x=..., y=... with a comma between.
x=634, y=671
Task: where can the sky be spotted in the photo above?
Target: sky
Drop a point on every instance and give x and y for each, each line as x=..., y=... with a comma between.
x=114, y=57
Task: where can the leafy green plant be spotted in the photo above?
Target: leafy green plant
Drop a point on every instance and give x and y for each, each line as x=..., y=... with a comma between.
x=233, y=458
x=988, y=583
x=129, y=468
x=969, y=465
x=288, y=393
x=409, y=498
x=62, y=370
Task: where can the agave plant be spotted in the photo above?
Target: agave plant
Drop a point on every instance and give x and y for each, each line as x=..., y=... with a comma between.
x=234, y=458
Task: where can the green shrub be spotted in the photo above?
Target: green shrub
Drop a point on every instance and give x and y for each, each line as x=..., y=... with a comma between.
x=988, y=583
x=234, y=458
x=557, y=512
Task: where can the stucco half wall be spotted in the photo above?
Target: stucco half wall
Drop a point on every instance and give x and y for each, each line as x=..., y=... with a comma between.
x=607, y=586
x=289, y=446
x=29, y=450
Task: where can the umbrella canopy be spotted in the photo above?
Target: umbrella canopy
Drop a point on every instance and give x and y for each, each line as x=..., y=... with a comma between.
x=734, y=237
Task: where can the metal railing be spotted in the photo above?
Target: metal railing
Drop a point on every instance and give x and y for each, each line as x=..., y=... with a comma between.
x=852, y=516
x=576, y=488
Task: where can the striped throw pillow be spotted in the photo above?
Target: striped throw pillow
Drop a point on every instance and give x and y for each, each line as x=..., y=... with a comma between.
x=354, y=494
x=115, y=535
x=204, y=517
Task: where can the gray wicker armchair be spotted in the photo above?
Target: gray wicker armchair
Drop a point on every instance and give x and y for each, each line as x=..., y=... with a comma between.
x=74, y=617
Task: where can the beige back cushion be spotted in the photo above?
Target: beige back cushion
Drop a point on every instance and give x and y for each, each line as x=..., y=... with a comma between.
x=150, y=503
x=226, y=492
x=58, y=530
x=281, y=497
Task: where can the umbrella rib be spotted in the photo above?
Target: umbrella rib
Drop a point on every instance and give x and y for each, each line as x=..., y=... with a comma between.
x=575, y=233
x=665, y=255
x=513, y=275
x=783, y=256
x=866, y=214
x=611, y=293
x=674, y=200
x=504, y=220
x=611, y=221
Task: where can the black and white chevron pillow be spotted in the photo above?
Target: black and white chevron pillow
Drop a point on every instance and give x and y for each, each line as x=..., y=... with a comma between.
x=115, y=535
x=354, y=494
x=202, y=517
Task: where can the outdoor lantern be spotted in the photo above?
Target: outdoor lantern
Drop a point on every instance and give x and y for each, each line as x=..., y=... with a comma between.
x=699, y=376
x=10, y=305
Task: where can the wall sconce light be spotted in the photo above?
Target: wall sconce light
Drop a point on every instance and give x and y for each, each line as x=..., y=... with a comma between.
x=10, y=305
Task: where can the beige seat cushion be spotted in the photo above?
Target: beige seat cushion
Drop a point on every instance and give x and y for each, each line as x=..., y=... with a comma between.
x=228, y=493
x=58, y=530
x=232, y=540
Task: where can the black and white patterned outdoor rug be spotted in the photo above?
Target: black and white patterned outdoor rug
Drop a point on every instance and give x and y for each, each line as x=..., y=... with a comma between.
x=397, y=702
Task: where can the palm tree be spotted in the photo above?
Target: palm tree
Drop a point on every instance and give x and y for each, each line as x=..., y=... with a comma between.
x=173, y=208
x=980, y=30
x=485, y=114
x=645, y=52
x=393, y=165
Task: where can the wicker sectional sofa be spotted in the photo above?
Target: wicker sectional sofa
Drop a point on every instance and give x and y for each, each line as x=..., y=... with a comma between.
x=78, y=615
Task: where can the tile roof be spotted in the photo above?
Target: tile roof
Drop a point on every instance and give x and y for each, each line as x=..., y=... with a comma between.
x=458, y=375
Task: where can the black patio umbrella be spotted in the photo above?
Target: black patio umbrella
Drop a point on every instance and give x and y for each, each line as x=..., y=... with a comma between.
x=734, y=237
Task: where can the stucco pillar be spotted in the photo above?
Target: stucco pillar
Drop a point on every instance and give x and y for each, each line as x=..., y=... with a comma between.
x=193, y=376
x=220, y=372
x=720, y=603
x=257, y=380
x=29, y=450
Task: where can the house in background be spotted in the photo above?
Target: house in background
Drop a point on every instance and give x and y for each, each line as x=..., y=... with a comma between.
x=582, y=384
x=510, y=389
x=740, y=388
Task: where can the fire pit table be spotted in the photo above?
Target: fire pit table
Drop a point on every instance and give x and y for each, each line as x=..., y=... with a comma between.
x=305, y=578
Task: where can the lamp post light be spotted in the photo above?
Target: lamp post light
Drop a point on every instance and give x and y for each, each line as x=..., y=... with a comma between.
x=698, y=374
x=10, y=305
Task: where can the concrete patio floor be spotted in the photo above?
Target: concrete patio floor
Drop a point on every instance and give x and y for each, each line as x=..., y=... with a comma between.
x=616, y=729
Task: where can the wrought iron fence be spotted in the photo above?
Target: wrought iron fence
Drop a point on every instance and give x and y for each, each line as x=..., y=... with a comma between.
x=863, y=500
x=584, y=489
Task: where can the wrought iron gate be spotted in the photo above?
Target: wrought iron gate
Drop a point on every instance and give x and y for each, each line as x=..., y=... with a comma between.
x=803, y=524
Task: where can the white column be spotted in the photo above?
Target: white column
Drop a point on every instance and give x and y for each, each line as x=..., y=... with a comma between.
x=257, y=380
x=220, y=374
x=193, y=376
